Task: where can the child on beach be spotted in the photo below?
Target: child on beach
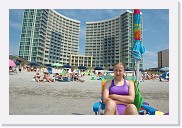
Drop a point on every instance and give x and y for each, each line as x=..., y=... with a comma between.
x=38, y=77
x=72, y=74
x=48, y=78
x=57, y=76
x=119, y=94
x=77, y=78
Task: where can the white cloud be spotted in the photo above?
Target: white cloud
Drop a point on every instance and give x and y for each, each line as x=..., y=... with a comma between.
x=15, y=25
x=150, y=63
x=150, y=53
x=150, y=59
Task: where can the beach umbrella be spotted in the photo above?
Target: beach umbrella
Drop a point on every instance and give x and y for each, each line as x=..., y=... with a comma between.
x=165, y=69
x=137, y=51
x=128, y=69
x=17, y=63
x=164, y=75
x=111, y=69
x=17, y=58
x=33, y=64
x=12, y=63
x=57, y=64
x=48, y=65
x=67, y=66
x=82, y=67
x=142, y=70
x=98, y=68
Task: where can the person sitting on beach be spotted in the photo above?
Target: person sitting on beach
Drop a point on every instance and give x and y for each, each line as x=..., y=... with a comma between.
x=38, y=77
x=99, y=76
x=66, y=76
x=119, y=94
x=10, y=69
x=72, y=74
x=19, y=69
x=57, y=76
x=77, y=78
x=60, y=77
x=48, y=78
x=45, y=70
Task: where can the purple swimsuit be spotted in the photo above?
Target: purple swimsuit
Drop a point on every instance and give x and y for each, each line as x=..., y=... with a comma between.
x=119, y=90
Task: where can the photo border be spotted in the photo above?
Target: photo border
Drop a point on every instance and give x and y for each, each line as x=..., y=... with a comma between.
x=171, y=119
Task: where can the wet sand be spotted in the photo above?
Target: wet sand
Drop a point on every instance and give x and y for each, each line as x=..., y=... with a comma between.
x=28, y=97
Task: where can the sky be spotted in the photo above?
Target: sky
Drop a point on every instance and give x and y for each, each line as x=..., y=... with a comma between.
x=155, y=29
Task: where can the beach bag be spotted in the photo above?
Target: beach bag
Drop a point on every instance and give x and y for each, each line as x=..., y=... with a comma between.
x=138, y=98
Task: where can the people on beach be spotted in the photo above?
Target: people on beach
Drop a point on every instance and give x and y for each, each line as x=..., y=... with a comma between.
x=48, y=78
x=38, y=77
x=19, y=69
x=77, y=78
x=99, y=76
x=119, y=94
x=72, y=74
x=57, y=76
x=60, y=77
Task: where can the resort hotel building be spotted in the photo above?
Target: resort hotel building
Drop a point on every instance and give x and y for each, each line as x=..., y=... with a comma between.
x=50, y=37
x=78, y=60
x=111, y=40
x=163, y=58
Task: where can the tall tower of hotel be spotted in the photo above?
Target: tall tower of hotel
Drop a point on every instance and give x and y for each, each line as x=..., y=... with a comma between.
x=48, y=37
x=111, y=40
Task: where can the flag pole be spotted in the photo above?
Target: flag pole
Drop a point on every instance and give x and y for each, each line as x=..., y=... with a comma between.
x=137, y=70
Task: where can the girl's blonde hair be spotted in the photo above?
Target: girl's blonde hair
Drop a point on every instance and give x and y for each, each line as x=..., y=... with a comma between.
x=120, y=63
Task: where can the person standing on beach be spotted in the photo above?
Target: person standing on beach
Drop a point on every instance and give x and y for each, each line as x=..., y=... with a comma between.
x=119, y=94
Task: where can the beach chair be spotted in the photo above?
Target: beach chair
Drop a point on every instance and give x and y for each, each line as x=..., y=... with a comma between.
x=49, y=70
x=164, y=77
x=142, y=107
x=63, y=73
x=13, y=71
x=65, y=79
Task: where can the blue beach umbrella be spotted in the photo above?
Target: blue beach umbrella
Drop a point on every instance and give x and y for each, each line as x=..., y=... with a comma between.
x=67, y=66
x=142, y=70
x=165, y=69
x=17, y=63
x=82, y=67
x=128, y=69
x=48, y=65
x=98, y=68
x=33, y=64
x=111, y=69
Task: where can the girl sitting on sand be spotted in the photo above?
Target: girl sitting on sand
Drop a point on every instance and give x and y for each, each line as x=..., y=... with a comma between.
x=77, y=78
x=57, y=76
x=38, y=77
x=48, y=78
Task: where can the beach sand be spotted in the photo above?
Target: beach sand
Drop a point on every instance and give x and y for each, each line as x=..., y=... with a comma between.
x=27, y=97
